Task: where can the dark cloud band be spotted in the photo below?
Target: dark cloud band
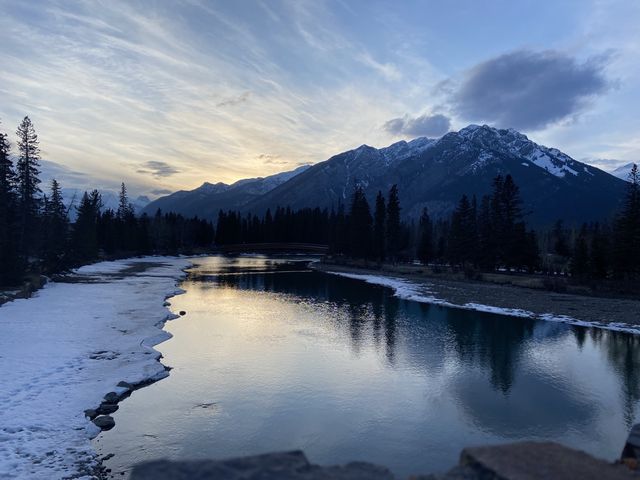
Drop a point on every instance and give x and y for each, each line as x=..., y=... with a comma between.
x=528, y=90
x=158, y=169
x=424, y=125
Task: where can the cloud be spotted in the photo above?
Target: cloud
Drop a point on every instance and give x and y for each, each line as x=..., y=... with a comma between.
x=606, y=164
x=161, y=191
x=424, y=125
x=271, y=159
x=233, y=101
x=158, y=169
x=528, y=90
x=388, y=70
x=66, y=176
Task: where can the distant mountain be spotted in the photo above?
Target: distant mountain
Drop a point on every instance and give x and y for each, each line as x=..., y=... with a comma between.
x=623, y=171
x=207, y=200
x=434, y=173
x=110, y=200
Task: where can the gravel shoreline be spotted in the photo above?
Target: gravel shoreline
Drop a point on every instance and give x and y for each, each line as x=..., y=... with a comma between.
x=624, y=314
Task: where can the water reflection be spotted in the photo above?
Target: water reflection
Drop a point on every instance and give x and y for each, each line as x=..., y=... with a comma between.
x=293, y=358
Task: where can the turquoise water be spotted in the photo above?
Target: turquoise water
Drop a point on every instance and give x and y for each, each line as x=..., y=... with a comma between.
x=271, y=356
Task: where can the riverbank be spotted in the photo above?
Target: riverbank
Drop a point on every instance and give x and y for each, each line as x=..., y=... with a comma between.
x=610, y=313
x=67, y=347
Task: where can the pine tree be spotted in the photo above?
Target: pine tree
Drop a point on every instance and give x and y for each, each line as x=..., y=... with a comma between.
x=125, y=209
x=55, y=229
x=627, y=230
x=393, y=223
x=463, y=236
x=599, y=253
x=487, y=239
x=379, y=225
x=10, y=263
x=28, y=180
x=560, y=244
x=506, y=222
x=85, y=232
x=580, y=259
x=360, y=223
x=425, y=238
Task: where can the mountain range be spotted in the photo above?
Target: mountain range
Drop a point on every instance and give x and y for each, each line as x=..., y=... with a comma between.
x=431, y=173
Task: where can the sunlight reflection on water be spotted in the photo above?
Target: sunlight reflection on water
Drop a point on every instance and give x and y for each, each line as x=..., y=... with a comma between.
x=272, y=357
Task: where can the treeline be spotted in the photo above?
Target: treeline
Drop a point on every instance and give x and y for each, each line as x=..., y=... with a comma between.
x=597, y=251
x=37, y=236
x=479, y=236
x=488, y=235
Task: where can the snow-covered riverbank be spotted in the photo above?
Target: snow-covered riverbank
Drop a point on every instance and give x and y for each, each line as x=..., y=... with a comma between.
x=423, y=292
x=62, y=350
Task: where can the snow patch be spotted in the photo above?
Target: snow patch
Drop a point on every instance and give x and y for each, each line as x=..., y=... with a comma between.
x=62, y=350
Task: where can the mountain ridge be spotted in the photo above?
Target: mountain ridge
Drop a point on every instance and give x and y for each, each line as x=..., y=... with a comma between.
x=434, y=173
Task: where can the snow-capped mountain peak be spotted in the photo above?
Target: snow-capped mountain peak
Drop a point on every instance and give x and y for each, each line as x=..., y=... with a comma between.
x=623, y=171
x=516, y=144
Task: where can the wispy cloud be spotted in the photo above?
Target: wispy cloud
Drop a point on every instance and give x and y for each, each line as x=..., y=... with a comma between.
x=423, y=125
x=158, y=169
x=232, y=101
x=206, y=88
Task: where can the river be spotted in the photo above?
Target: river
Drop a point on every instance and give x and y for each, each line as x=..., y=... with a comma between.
x=272, y=356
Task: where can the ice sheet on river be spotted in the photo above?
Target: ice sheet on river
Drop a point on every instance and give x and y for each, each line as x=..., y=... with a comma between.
x=62, y=350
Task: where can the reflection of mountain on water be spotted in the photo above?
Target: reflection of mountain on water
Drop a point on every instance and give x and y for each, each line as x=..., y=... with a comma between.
x=491, y=341
x=623, y=353
x=496, y=390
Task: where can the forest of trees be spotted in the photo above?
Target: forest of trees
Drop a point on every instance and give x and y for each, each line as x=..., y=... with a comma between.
x=490, y=235
x=37, y=235
x=481, y=235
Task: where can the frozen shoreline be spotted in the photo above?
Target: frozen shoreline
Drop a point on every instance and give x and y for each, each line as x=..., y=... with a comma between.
x=421, y=292
x=66, y=347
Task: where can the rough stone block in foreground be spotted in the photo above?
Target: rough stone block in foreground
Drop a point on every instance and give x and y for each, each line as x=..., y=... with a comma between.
x=273, y=466
x=538, y=461
x=515, y=461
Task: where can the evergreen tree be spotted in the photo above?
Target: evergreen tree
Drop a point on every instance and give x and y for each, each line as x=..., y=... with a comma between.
x=627, y=230
x=531, y=252
x=379, y=225
x=463, y=236
x=125, y=209
x=560, y=244
x=360, y=223
x=85, y=236
x=580, y=260
x=28, y=180
x=339, y=232
x=425, y=238
x=599, y=254
x=55, y=229
x=487, y=238
x=506, y=222
x=393, y=223
x=9, y=260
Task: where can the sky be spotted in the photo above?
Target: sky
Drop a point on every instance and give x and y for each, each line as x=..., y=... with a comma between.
x=168, y=94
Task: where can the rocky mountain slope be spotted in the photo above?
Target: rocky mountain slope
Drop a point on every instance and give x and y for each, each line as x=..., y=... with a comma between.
x=431, y=173
x=207, y=200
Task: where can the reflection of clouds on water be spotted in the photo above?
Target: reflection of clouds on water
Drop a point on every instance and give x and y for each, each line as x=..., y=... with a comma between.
x=517, y=414
x=345, y=370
